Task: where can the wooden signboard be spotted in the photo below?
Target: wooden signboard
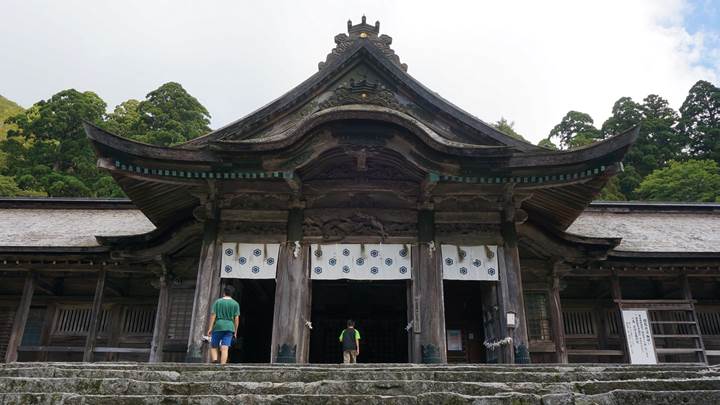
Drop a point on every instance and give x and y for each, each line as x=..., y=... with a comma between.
x=640, y=344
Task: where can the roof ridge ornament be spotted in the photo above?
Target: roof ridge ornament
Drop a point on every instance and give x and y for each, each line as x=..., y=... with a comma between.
x=362, y=32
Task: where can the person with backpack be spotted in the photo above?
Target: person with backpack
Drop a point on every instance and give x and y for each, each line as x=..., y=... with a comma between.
x=350, y=339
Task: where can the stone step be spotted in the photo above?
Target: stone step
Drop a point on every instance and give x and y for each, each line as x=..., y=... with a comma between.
x=126, y=386
x=619, y=397
x=529, y=368
x=294, y=399
x=279, y=375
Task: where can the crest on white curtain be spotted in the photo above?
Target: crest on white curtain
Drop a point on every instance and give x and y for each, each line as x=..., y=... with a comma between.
x=470, y=262
x=360, y=262
x=249, y=260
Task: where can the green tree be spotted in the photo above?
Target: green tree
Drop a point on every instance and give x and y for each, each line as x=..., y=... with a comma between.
x=547, y=144
x=658, y=141
x=612, y=191
x=7, y=109
x=125, y=119
x=700, y=122
x=50, y=134
x=169, y=115
x=694, y=180
x=506, y=127
x=626, y=114
x=576, y=129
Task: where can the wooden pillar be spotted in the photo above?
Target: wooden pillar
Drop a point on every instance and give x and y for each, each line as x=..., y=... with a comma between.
x=428, y=303
x=512, y=289
x=21, y=315
x=293, y=297
x=161, y=322
x=207, y=288
x=616, y=292
x=556, y=315
x=95, y=316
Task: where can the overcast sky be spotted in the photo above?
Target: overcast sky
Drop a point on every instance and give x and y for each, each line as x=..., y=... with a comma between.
x=529, y=61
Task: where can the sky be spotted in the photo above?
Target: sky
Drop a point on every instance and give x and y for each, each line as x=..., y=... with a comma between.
x=528, y=61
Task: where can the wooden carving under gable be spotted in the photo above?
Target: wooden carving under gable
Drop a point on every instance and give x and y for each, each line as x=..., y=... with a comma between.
x=333, y=228
x=361, y=91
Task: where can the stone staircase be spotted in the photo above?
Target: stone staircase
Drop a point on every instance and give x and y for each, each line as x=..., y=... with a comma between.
x=173, y=383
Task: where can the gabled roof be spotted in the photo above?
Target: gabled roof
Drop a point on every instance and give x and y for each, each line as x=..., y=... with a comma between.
x=364, y=46
x=363, y=88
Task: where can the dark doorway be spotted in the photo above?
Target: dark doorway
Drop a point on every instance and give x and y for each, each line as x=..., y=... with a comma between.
x=257, y=301
x=379, y=309
x=464, y=321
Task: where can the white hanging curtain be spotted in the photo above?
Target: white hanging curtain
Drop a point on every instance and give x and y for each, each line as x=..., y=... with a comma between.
x=360, y=262
x=470, y=262
x=249, y=260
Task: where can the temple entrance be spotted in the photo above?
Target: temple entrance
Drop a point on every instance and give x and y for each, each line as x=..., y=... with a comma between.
x=257, y=301
x=464, y=321
x=379, y=309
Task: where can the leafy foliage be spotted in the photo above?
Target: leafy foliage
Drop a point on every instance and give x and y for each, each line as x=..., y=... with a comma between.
x=47, y=152
x=700, y=122
x=694, y=180
x=665, y=136
x=7, y=109
x=576, y=129
x=506, y=127
x=547, y=144
x=168, y=116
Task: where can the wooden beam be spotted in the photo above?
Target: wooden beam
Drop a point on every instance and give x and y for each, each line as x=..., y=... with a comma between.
x=429, y=343
x=21, y=315
x=114, y=288
x=45, y=287
x=290, y=341
x=616, y=292
x=161, y=321
x=207, y=289
x=514, y=300
x=94, y=316
x=293, y=297
x=556, y=317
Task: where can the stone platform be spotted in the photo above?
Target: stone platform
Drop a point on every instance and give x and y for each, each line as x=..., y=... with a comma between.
x=174, y=383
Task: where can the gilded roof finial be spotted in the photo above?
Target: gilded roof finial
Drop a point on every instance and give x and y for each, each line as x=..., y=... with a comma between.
x=363, y=32
x=363, y=29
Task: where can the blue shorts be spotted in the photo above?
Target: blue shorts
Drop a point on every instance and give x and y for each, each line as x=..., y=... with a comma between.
x=221, y=338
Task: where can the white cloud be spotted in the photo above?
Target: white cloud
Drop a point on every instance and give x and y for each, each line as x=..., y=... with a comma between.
x=528, y=61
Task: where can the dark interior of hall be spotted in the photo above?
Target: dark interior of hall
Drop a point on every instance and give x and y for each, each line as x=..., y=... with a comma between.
x=257, y=300
x=379, y=309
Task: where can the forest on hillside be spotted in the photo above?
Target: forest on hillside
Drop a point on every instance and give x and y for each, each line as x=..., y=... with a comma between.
x=44, y=151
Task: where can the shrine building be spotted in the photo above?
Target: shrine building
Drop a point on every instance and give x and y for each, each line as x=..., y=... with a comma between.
x=361, y=194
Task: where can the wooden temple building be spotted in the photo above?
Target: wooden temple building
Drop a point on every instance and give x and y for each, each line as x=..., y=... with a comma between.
x=360, y=194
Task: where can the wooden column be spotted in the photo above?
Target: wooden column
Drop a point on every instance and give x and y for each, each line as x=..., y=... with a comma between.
x=557, y=320
x=207, y=287
x=616, y=292
x=95, y=316
x=293, y=297
x=428, y=303
x=511, y=285
x=161, y=322
x=21, y=315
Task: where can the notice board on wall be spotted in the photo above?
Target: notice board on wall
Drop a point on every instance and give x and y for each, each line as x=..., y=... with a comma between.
x=639, y=337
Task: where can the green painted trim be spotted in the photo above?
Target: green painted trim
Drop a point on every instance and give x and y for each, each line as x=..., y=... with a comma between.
x=217, y=175
x=435, y=177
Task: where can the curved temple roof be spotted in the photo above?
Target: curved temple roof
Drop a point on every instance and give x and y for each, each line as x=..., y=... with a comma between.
x=361, y=82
